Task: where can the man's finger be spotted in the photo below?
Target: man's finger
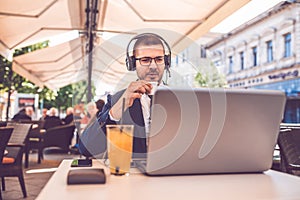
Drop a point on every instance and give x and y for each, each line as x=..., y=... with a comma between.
x=133, y=97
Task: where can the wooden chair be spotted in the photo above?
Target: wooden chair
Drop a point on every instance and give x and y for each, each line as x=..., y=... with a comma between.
x=5, y=133
x=12, y=163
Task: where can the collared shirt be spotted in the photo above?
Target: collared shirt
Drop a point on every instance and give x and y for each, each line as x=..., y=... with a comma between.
x=145, y=104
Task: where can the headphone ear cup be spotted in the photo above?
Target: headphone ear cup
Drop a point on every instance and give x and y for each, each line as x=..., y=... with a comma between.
x=167, y=61
x=130, y=63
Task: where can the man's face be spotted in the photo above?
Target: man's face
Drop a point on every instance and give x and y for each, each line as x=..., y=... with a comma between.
x=153, y=72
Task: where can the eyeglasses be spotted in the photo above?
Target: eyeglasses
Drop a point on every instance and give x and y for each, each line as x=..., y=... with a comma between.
x=146, y=61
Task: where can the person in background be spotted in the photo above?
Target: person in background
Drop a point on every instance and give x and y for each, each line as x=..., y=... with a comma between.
x=91, y=110
x=29, y=111
x=52, y=120
x=80, y=115
x=151, y=55
x=44, y=114
x=99, y=105
x=23, y=114
x=69, y=116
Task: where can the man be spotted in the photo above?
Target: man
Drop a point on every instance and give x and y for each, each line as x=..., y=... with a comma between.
x=69, y=116
x=149, y=59
x=52, y=120
x=44, y=114
x=24, y=114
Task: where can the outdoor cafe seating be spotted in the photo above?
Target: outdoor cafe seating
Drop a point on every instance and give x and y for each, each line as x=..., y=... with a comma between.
x=289, y=144
x=5, y=134
x=12, y=163
x=59, y=136
x=39, y=139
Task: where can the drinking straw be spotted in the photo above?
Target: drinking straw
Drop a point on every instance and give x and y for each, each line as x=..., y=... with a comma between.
x=123, y=110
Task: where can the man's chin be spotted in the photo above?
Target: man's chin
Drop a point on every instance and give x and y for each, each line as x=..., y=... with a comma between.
x=152, y=78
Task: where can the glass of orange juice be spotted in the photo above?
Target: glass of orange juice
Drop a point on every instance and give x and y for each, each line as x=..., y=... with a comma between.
x=119, y=147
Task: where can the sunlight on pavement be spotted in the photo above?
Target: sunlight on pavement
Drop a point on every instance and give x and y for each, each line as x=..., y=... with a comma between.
x=43, y=170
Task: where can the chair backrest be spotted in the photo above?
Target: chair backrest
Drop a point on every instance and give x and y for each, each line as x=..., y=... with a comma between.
x=51, y=122
x=37, y=125
x=5, y=134
x=3, y=123
x=289, y=144
x=20, y=133
x=60, y=136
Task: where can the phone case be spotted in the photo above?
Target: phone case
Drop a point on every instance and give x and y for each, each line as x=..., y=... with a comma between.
x=81, y=163
x=86, y=176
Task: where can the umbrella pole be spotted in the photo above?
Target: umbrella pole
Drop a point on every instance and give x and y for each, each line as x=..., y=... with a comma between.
x=92, y=11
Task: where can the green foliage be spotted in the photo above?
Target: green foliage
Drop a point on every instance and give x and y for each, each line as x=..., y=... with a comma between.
x=210, y=77
x=11, y=80
x=68, y=96
x=31, y=48
x=201, y=80
x=80, y=92
x=5, y=73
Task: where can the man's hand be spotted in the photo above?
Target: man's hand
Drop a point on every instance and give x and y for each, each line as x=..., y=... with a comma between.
x=135, y=90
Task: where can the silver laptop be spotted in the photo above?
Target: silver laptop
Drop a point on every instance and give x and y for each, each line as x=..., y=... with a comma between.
x=204, y=131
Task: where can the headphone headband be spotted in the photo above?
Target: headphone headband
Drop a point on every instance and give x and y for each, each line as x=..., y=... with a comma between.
x=131, y=61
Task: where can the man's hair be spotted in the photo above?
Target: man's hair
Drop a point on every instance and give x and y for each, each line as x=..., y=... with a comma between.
x=29, y=110
x=147, y=40
x=99, y=104
x=53, y=111
x=70, y=110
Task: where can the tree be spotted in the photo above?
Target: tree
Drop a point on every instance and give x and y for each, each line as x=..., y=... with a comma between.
x=63, y=97
x=67, y=96
x=210, y=77
x=11, y=81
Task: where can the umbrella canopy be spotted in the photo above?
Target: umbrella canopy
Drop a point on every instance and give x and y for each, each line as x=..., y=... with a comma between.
x=53, y=67
x=180, y=22
x=27, y=22
x=190, y=18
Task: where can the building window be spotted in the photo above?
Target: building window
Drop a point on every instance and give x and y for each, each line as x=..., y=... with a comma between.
x=242, y=60
x=254, y=56
x=269, y=51
x=202, y=52
x=217, y=63
x=287, y=45
x=230, y=59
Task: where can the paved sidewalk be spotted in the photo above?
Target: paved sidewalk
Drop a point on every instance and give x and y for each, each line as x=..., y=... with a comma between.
x=36, y=175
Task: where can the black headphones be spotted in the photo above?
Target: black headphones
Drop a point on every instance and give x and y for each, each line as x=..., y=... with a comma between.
x=131, y=61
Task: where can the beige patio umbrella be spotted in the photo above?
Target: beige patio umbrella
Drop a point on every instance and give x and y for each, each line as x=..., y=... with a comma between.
x=181, y=22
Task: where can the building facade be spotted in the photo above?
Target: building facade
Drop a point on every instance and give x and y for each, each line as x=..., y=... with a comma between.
x=264, y=53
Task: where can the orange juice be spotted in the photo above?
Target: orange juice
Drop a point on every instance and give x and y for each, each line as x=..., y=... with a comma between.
x=119, y=146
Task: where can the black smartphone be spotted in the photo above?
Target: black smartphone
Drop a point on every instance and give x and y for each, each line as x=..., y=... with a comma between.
x=81, y=163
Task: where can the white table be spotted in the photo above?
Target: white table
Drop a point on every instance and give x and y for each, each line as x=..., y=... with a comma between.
x=268, y=185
